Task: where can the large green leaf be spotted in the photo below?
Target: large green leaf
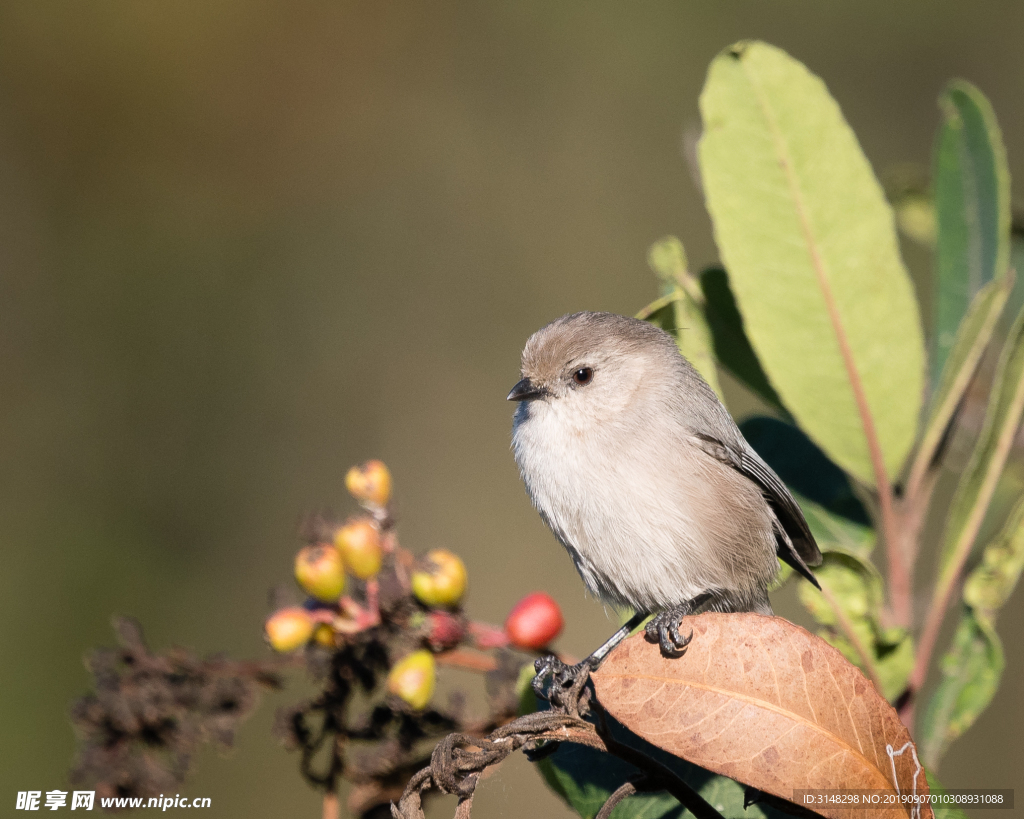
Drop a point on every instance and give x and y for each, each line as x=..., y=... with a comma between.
x=680, y=310
x=810, y=245
x=972, y=202
x=972, y=668
x=978, y=481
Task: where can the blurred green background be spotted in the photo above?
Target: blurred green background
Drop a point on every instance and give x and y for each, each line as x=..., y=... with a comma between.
x=245, y=245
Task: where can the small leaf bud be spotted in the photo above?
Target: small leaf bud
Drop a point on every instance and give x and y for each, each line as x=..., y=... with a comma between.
x=359, y=543
x=442, y=580
x=413, y=678
x=320, y=571
x=370, y=484
x=534, y=622
x=289, y=628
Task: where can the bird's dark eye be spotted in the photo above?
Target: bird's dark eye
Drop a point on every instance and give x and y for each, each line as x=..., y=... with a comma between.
x=584, y=375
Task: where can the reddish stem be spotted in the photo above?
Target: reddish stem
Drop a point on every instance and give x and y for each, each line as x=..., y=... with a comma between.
x=487, y=636
x=471, y=660
x=330, y=810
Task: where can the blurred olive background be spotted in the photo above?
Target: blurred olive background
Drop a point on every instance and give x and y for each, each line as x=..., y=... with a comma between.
x=244, y=245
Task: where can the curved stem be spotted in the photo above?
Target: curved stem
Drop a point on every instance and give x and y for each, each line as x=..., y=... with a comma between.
x=612, y=802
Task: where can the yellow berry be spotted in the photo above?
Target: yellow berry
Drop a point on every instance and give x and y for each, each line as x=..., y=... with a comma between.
x=289, y=628
x=323, y=634
x=370, y=484
x=320, y=571
x=359, y=543
x=413, y=678
x=442, y=580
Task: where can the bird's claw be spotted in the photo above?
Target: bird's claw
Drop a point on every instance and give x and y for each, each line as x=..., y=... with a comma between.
x=566, y=683
x=664, y=628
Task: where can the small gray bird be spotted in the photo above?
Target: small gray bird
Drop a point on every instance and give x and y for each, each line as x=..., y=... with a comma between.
x=645, y=479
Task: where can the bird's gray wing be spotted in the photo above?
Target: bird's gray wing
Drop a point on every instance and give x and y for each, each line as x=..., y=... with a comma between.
x=793, y=539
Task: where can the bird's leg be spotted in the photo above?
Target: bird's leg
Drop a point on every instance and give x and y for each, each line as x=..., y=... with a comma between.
x=664, y=627
x=567, y=681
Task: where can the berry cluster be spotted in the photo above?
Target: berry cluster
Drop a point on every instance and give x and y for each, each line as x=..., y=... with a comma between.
x=353, y=554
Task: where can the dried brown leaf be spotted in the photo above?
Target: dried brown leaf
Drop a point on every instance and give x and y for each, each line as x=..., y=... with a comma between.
x=765, y=702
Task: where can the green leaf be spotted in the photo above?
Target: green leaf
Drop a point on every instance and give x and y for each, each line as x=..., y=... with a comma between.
x=682, y=312
x=585, y=778
x=803, y=467
x=810, y=245
x=732, y=347
x=979, y=479
x=972, y=340
x=972, y=201
x=970, y=676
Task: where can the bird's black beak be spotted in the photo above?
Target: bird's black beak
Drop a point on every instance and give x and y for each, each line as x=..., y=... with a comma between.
x=525, y=391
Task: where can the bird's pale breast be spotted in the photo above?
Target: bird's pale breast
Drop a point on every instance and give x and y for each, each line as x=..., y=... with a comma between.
x=643, y=513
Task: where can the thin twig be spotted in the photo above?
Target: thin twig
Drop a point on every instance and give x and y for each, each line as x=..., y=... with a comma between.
x=624, y=790
x=471, y=660
x=330, y=805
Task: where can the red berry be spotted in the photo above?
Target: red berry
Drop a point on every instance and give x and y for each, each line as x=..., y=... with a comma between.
x=444, y=630
x=534, y=622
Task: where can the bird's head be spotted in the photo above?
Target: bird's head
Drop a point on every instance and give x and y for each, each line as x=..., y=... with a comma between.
x=588, y=367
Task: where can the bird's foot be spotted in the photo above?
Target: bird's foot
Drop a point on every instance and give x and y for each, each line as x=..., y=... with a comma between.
x=663, y=628
x=567, y=689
